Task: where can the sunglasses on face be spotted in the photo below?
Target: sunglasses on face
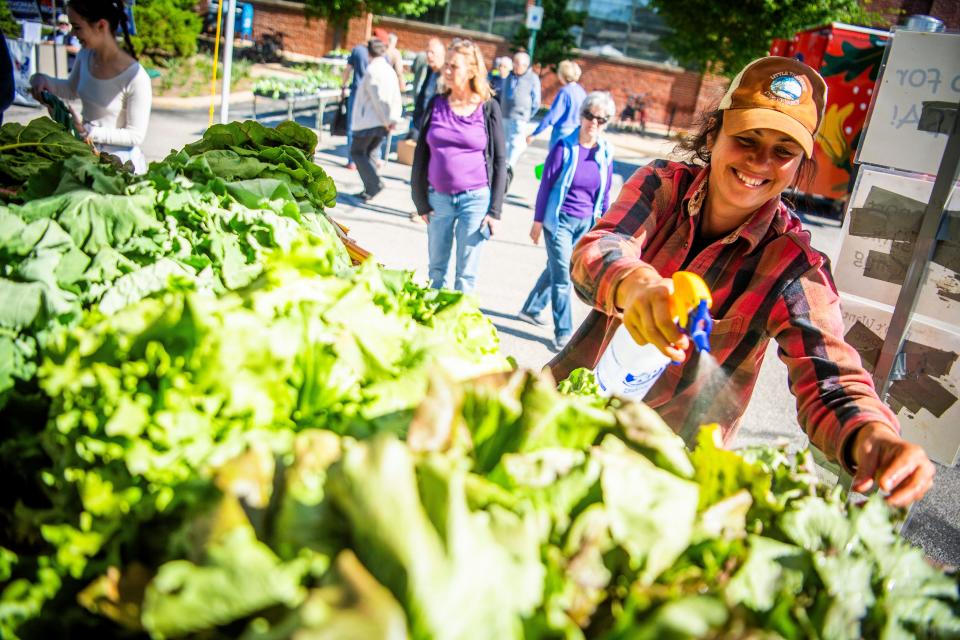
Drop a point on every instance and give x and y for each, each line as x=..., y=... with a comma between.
x=596, y=118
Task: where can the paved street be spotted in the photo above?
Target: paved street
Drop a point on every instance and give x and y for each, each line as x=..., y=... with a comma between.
x=510, y=264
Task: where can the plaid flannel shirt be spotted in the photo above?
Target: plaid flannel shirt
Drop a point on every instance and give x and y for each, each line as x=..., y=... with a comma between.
x=766, y=282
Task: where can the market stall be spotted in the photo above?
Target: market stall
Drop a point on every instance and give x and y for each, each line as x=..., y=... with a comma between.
x=221, y=420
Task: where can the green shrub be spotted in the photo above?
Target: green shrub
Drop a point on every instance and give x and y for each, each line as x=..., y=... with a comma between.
x=166, y=27
x=7, y=23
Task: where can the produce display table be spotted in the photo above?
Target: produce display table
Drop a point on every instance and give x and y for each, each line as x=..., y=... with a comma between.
x=302, y=101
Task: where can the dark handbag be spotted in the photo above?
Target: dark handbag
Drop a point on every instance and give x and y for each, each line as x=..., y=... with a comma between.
x=339, y=125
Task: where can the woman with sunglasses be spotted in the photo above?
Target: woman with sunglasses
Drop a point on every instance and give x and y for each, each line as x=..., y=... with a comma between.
x=574, y=192
x=724, y=219
x=459, y=173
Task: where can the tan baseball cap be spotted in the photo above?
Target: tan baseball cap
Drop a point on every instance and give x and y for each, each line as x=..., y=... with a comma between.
x=776, y=93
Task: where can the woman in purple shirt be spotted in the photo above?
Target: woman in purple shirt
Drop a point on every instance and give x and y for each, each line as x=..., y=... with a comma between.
x=574, y=192
x=459, y=174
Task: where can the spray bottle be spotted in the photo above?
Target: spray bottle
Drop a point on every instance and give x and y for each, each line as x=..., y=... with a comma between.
x=628, y=369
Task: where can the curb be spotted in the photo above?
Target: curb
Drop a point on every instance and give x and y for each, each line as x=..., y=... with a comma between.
x=195, y=103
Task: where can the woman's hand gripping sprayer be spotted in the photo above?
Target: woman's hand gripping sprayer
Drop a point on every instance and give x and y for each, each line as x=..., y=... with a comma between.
x=661, y=316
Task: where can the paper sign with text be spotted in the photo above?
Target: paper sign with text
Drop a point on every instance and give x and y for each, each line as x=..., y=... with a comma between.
x=920, y=67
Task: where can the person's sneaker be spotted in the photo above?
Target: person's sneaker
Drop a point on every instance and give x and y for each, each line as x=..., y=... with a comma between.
x=526, y=317
x=560, y=342
x=363, y=196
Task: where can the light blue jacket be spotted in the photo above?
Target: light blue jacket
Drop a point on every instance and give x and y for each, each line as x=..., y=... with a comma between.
x=558, y=193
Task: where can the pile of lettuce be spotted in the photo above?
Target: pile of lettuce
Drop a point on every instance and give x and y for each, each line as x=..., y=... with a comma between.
x=183, y=249
x=99, y=237
x=497, y=508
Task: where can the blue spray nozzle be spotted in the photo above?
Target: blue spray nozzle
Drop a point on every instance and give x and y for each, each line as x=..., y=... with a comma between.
x=700, y=324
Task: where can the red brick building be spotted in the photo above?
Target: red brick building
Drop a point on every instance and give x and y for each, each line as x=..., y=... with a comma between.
x=675, y=95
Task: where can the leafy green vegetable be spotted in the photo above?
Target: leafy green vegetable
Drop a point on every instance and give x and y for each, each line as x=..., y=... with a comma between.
x=235, y=433
x=28, y=150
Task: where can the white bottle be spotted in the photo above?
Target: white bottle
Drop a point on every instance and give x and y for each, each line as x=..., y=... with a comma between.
x=628, y=369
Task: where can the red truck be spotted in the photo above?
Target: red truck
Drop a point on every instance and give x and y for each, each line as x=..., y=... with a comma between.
x=848, y=57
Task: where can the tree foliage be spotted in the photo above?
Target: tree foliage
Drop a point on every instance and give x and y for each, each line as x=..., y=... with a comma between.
x=555, y=42
x=722, y=36
x=7, y=22
x=166, y=27
x=339, y=11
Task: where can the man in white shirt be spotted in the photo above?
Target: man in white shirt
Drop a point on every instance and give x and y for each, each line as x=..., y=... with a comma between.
x=377, y=109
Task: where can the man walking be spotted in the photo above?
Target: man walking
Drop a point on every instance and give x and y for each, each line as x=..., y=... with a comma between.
x=436, y=56
x=376, y=110
x=356, y=65
x=521, y=101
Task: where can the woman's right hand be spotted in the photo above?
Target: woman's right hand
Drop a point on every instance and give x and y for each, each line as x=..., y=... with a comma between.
x=536, y=231
x=644, y=297
x=426, y=217
x=38, y=84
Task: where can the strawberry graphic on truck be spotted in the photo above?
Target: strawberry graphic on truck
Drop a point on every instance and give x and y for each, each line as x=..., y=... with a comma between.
x=848, y=57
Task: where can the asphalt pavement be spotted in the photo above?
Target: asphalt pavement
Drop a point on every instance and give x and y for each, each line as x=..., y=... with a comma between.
x=511, y=263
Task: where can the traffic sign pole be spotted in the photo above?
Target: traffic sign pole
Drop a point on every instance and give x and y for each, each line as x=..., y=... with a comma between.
x=534, y=23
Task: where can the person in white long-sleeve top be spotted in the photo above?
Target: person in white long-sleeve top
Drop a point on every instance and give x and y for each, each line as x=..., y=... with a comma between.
x=377, y=109
x=114, y=90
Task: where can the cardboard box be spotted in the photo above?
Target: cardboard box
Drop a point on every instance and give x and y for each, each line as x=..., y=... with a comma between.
x=925, y=398
x=880, y=233
x=405, y=151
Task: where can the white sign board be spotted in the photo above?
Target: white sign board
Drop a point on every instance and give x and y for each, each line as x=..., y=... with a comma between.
x=879, y=236
x=534, y=17
x=926, y=400
x=920, y=67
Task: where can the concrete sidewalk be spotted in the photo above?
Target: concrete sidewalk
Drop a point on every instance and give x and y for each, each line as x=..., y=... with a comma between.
x=510, y=264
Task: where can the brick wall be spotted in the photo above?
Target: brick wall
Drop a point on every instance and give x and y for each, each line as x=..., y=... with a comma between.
x=301, y=34
x=674, y=95
x=894, y=11
x=414, y=35
x=669, y=89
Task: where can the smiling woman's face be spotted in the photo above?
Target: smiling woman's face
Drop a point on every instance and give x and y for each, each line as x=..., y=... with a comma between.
x=749, y=169
x=89, y=34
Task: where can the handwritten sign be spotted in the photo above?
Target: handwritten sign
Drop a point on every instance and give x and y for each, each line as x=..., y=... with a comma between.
x=920, y=67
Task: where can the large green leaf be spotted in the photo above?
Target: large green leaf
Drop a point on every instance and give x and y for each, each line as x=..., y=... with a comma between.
x=652, y=511
x=422, y=541
x=240, y=576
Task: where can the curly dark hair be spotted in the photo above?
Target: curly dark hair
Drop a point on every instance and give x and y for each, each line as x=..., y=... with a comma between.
x=697, y=147
x=113, y=11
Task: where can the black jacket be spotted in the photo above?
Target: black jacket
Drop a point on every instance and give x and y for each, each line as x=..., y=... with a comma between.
x=495, y=154
x=419, y=103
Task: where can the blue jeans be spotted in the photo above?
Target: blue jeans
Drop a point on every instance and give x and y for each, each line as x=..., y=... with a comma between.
x=515, y=132
x=554, y=283
x=460, y=215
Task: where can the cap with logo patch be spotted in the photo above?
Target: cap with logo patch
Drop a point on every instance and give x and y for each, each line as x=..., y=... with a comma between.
x=776, y=93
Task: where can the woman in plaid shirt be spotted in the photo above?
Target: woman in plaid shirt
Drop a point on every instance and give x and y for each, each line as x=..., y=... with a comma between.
x=726, y=222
